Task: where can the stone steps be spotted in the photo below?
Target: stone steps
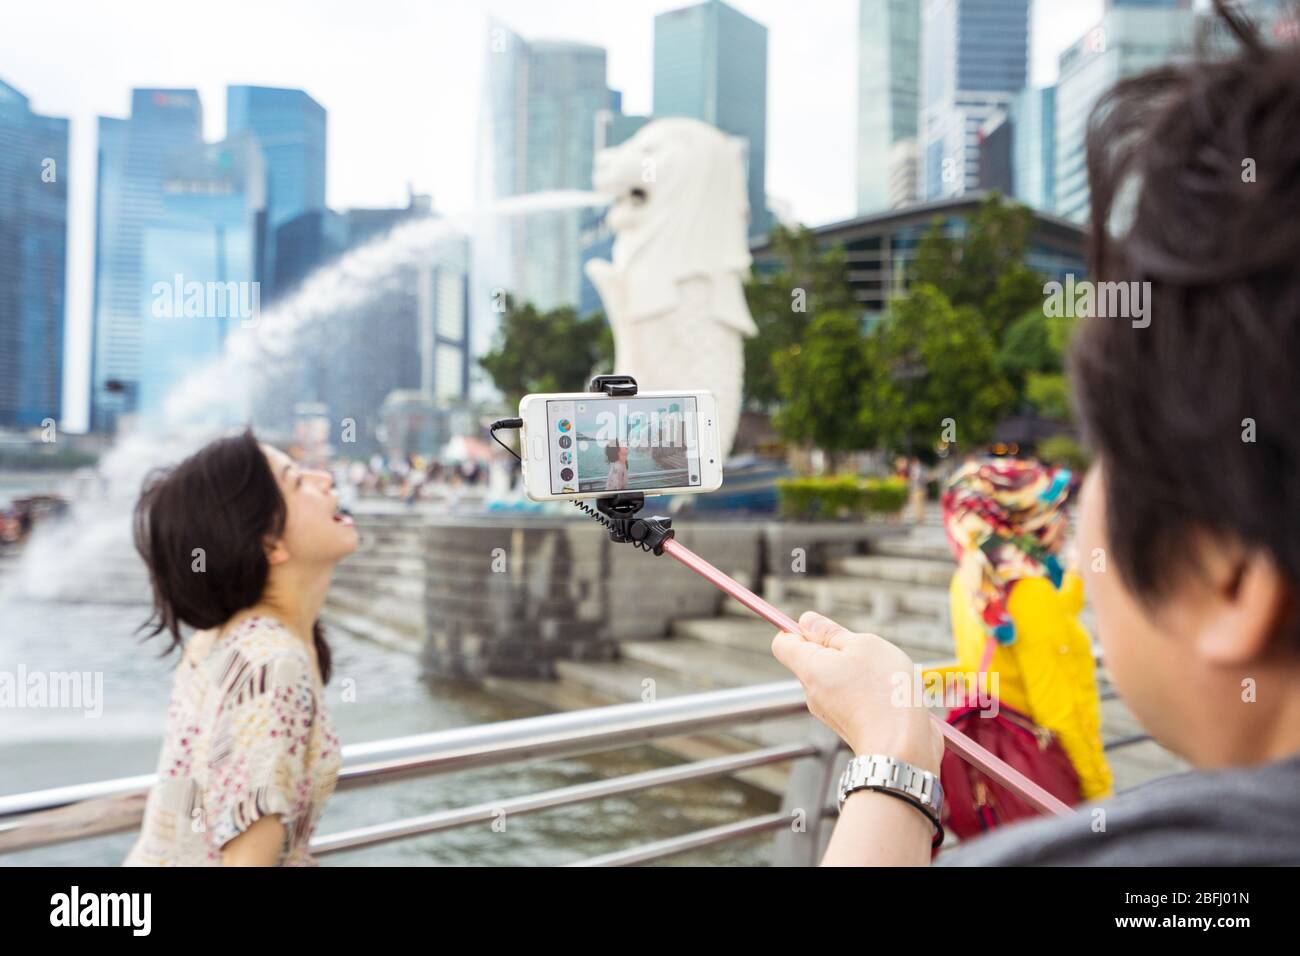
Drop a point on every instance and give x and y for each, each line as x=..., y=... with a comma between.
x=363, y=581
x=883, y=598
x=394, y=613
x=927, y=547
x=383, y=563
x=707, y=666
x=366, y=628
x=901, y=570
x=917, y=636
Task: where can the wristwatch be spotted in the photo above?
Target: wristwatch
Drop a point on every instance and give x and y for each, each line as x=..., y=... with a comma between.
x=920, y=788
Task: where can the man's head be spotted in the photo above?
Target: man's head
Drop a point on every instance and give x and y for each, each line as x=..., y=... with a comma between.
x=1190, y=523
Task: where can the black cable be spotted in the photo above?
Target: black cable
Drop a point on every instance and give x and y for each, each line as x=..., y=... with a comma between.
x=583, y=506
x=505, y=423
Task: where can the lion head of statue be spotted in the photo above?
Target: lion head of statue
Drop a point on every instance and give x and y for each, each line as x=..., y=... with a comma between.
x=678, y=209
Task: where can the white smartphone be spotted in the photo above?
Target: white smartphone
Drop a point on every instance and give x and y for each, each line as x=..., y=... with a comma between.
x=592, y=445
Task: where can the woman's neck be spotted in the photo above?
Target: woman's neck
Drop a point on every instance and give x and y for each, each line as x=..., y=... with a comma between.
x=295, y=600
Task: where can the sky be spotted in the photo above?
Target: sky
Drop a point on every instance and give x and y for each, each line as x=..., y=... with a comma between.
x=400, y=81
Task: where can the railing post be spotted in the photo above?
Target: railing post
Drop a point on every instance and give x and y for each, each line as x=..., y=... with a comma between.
x=807, y=797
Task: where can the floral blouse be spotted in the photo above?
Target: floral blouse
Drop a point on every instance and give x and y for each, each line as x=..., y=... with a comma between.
x=248, y=734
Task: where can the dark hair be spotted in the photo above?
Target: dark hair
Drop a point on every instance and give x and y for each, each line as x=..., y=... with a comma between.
x=1170, y=407
x=224, y=499
x=611, y=451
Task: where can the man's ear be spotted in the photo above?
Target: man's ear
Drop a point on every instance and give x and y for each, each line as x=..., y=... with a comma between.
x=1248, y=604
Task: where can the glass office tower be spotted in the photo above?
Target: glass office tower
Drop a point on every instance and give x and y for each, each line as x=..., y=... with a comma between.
x=290, y=128
x=1131, y=37
x=542, y=100
x=132, y=157
x=198, y=260
x=33, y=259
x=889, y=78
x=710, y=64
x=974, y=60
x=1033, y=147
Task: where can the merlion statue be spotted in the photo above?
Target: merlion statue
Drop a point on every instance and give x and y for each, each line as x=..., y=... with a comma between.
x=674, y=293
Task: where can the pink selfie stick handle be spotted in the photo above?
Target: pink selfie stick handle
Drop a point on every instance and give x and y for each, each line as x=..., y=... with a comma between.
x=954, y=740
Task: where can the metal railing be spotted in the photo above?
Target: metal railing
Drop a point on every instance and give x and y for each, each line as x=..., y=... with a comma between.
x=62, y=814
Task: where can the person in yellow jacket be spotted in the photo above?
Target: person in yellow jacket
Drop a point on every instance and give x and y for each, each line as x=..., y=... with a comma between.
x=1015, y=610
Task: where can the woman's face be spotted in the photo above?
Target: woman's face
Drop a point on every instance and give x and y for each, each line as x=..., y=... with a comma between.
x=314, y=530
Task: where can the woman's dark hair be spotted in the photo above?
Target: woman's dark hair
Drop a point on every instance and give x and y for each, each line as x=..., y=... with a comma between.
x=1194, y=172
x=225, y=500
x=611, y=452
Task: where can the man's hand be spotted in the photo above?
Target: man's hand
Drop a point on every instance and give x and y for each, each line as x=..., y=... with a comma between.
x=861, y=687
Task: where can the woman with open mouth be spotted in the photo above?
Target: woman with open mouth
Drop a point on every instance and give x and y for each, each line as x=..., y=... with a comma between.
x=241, y=544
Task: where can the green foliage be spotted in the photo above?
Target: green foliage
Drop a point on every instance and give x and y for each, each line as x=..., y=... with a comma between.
x=983, y=267
x=555, y=351
x=1032, y=356
x=822, y=383
x=808, y=282
x=968, y=342
x=840, y=496
x=1048, y=393
x=949, y=353
x=1027, y=347
x=1064, y=450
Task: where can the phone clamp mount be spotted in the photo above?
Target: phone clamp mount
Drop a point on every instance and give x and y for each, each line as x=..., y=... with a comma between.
x=619, y=513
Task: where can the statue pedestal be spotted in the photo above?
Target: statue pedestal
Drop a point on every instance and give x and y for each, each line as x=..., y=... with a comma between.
x=510, y=599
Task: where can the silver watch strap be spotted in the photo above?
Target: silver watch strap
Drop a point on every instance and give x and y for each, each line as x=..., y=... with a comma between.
x=881, y=772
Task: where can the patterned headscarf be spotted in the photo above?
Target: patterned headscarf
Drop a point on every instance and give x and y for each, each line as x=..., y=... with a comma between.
x=1005, y=521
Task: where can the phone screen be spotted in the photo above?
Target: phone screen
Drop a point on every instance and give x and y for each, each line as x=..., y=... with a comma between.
x=622, y=444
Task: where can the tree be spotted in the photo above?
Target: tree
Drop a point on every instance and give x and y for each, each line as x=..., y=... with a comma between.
x=808, y=281
x=933, y=362
x=822, y=382
x=984, y=267
x=555, y=351
x=1048, y=393
x=1027, y=348
x=1032, y=356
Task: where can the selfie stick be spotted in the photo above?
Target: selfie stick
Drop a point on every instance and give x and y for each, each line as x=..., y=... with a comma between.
x=655, y=534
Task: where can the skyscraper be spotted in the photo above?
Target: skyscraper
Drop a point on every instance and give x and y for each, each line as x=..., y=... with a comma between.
x=290, y=128
x=711, y=65
x=542, y=99
x=132, y=157
x=974, y=59
x=199, y=261
x=1033, y=147
x=1132, y=36
x=995, y=154
x=33, y=254
x=889, y=54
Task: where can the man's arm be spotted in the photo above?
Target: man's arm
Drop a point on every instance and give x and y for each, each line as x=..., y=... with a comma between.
x=859, y=686
x=876, y=829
